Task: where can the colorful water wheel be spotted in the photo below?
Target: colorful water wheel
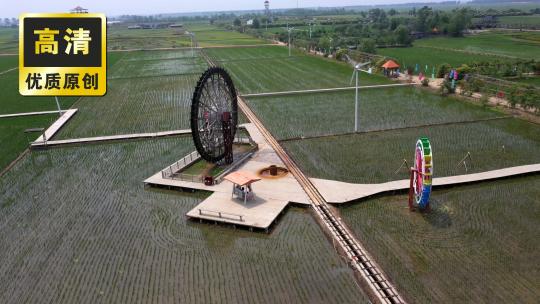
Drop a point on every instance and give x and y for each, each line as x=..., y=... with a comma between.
x=422, y=173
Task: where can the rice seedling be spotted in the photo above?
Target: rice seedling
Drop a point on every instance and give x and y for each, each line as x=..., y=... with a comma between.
x=478, y=244
x=13, y=102
x=235, y=54
x=135, y=106
x=318, y=114
x=12, y=137
x=77, y=225
x=8, y=62
x=131, y=68
x=138, y=43
x=375, y=157
x=499, y=43
x=296, y=73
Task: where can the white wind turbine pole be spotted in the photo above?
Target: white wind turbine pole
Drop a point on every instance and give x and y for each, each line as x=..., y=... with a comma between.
x=357, y=69
x=289, y=30
x=191, y=34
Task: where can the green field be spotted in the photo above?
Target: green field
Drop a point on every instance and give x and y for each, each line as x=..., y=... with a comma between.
x=483, y=47
x=147, y=43
x=525, y=20
x=535, y=81
x=259, y=72
x=224, y=55
x=8, y=63
x=12, y=137
x=375, y=157
x=318, y=114
x=158, y=63
x=81, y=217
x=121, y=31
x=9, y=40
x=410, y=56
x=514, y=45
x=148, y=91
x=12, y=102
x=208, y=36
x=120, y=37
x=134, y=106
x=479, y=244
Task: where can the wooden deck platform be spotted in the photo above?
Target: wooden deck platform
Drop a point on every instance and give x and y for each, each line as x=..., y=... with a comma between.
x=281, y=189
x=221, y=207
x=271, y=194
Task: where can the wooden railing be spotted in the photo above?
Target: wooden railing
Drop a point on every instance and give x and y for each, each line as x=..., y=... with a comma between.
x=237, y=217
x=173, y=169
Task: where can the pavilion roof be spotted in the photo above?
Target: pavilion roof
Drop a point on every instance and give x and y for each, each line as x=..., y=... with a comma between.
x=242, y=178
x=390, y=64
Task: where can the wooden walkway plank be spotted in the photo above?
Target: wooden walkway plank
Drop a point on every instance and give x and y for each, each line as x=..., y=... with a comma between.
x=57, y=125
x=337, y=192
x=30, y=114
x=86, y=140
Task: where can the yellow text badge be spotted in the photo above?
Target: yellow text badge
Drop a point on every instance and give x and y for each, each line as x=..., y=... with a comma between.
x=62, y=55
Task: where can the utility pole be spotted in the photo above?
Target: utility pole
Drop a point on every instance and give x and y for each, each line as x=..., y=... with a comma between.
x=191, y=36
x=289, y=30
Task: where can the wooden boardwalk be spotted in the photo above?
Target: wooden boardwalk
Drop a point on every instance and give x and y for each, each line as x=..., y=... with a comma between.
x=86, y=140
x=57, y=125
x=340, y=192
x=30, y=114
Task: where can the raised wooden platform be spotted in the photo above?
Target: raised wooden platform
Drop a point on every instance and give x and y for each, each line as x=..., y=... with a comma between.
x=271, y=194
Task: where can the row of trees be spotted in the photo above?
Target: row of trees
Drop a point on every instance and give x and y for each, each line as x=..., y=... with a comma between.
x=371, y=29
x=9, y=22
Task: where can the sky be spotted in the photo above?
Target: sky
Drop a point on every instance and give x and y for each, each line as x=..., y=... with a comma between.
x=13, y=8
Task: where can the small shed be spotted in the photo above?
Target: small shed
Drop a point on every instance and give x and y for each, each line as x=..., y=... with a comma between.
x=242, y=182
x=391, y=68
